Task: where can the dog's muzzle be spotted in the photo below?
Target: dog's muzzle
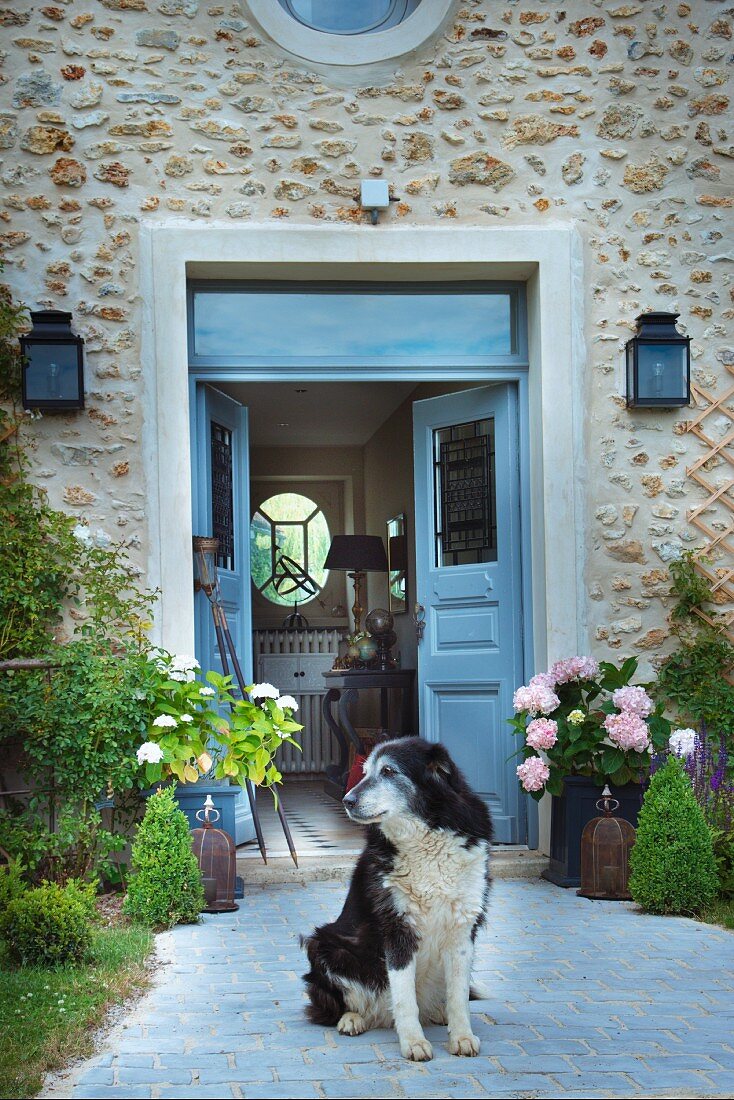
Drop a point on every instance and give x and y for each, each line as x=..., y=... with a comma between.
x=349, y=802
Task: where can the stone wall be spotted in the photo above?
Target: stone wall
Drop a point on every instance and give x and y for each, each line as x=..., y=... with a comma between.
x=611, y=116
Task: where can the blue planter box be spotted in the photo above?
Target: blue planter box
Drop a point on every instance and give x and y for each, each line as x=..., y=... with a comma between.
x=231, y=802
x=191, y=799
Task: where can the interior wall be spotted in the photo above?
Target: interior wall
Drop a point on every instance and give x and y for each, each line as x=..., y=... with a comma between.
x=294, y=465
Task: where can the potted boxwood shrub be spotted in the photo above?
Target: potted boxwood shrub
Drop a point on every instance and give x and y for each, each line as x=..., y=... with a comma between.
x=584, y=724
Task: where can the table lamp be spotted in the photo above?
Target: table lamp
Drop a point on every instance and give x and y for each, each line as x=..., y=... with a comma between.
x=358, y=554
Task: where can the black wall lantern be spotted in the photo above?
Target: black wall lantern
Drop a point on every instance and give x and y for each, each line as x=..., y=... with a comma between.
x=53, y=367
x=658, y=363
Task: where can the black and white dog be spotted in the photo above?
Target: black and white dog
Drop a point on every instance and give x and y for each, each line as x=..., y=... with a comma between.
x=401, y=949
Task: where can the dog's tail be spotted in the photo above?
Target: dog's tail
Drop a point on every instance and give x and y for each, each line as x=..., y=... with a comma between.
x=478, y=992
x=326, y=1000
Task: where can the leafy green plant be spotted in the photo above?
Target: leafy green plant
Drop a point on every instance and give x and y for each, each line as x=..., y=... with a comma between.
x=697, y=679
x=672, y=862
x=723, y=845
x=50, y=924
x=166, y=887
x=12, y=884
x=77, y=732
x=72, y=849
x=188, y=733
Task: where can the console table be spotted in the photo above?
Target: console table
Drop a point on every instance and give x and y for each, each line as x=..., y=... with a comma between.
x=342, y=688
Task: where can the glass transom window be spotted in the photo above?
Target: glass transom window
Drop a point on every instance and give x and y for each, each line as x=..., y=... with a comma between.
x=349, y=16
x=456, y=324
x=289, y=541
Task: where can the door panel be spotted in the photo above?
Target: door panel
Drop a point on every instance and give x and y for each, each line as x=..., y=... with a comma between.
x=221, y=508
x=467, y=506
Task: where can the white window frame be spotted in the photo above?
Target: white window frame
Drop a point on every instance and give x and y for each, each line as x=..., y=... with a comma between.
x=353, y=49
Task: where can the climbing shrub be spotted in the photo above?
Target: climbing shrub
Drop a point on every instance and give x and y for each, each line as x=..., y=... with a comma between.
x=49, y=924
x=696, y=680
x=672, y=862
x=166, y=887
x=71, y=731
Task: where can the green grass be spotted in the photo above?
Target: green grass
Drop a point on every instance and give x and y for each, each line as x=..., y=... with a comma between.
x=719, y=912
x=47, y=1015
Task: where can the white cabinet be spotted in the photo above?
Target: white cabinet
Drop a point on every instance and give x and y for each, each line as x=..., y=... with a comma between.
x=296, y=673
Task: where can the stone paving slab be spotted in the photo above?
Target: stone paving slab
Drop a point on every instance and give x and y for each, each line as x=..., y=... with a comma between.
x=588, y=999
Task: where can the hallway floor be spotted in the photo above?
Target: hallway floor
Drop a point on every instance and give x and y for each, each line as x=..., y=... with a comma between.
x=317, y=822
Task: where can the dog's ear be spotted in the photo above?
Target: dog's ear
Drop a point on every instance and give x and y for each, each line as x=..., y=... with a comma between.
x=438, y=762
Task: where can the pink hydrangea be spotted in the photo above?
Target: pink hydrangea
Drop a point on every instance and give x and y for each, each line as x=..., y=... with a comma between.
x=574, y=668
x=628, y=731
x=533, y=773
x=542, y=679
x=542, y=733
x=633, y=699
x=537, y=697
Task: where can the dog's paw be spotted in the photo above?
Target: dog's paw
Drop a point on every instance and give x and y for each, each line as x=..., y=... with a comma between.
x=464, y=1045
x=351, y=1023
x=416, y=1050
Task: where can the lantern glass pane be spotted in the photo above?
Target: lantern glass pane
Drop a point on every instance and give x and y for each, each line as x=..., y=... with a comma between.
x=52, y=372
x=661, y=371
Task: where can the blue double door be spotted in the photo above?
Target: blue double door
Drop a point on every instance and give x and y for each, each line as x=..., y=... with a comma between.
x=468, y=572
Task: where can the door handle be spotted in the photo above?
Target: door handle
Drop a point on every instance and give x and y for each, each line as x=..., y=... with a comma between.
x=419, y=620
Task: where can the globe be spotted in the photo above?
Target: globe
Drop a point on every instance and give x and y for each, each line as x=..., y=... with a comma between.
x=379, y=622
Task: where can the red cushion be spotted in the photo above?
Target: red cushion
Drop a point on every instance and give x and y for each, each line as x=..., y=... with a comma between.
x=356, y=772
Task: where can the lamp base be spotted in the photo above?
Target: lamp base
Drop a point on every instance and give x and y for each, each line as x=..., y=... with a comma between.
x=357, y=608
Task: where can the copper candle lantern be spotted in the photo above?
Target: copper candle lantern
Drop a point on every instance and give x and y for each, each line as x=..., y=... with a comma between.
x=605, y=848
x=215, y=852
x=205, y=564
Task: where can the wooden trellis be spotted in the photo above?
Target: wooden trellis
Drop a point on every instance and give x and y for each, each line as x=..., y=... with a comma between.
x=718, y=544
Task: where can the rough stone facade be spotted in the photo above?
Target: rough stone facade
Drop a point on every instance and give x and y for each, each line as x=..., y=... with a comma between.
x=611, y=116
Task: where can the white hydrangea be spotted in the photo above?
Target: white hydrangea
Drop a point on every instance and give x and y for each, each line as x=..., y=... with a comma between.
x=288, y=701
x=183, y=660
x=186, y=718
x=683, y=742
x=182, y=668
x=165, y=721
x=264, y=691
x=206, y=692
x=149, y=753
x=82, y=534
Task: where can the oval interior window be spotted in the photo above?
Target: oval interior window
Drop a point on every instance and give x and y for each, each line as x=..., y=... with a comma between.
x=289, y=541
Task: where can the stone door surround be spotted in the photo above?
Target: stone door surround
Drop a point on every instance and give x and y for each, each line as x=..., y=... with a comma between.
x=547, y=259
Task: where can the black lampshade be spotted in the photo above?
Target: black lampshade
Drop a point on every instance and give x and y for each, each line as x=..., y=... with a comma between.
x=357, y=553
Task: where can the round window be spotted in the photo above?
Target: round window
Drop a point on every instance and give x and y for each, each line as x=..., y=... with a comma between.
x=349, y=16
x=289, y=541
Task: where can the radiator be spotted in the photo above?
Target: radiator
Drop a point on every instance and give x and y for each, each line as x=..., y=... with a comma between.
x=294, y=660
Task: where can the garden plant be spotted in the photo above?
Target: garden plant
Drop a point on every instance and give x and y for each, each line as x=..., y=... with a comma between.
x=166, y=888
x=586, y=719
x=672, y=862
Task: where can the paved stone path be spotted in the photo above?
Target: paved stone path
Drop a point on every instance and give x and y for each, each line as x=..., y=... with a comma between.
x=589, y=999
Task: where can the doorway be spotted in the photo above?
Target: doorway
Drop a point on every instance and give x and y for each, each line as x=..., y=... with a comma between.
x=360, y=451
